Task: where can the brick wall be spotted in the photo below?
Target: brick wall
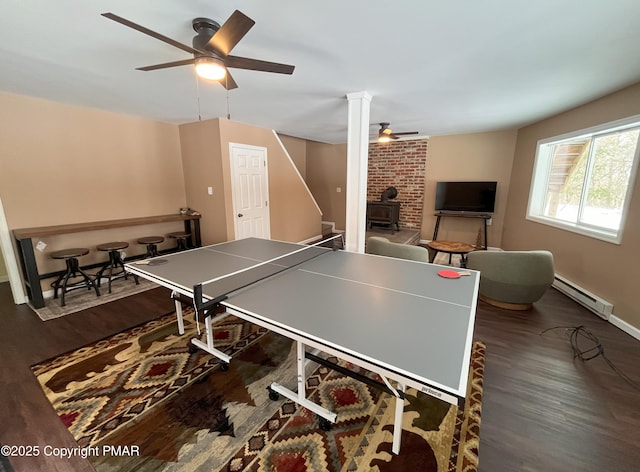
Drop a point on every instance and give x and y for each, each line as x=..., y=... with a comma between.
x=401, y=165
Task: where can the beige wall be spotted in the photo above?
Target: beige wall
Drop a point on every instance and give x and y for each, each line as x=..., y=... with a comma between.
x=202, y=163
x=596, y=265
x=326, y=172
x=297, y=149
x=205, y=148
x=478, y=156
x=65, y=164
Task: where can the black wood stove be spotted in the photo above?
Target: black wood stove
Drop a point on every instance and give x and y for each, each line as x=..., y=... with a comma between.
x=385, y=212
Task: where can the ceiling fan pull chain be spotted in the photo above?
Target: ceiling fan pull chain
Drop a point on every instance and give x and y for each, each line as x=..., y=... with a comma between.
x=227, y=89
x=198, y=96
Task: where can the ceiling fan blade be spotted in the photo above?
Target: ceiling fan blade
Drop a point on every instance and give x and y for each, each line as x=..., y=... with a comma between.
x=256, y=64
x=231, y=32
x=151, y=33
x=405, y=133
x=227, y=82
x=184, y=62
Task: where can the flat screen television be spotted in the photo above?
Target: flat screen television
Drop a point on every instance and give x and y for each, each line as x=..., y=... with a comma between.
x=476, y=197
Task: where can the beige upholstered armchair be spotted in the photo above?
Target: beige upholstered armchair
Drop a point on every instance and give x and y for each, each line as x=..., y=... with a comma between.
x=512, y=279
x=383, y=247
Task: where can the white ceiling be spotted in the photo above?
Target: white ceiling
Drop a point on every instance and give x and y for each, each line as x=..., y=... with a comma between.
x=437, y=67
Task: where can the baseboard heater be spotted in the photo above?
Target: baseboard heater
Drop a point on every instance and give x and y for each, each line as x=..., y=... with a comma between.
x=600, y=307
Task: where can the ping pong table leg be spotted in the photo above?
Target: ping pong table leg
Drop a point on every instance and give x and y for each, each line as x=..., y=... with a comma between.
x=397, y=425
x=178, y=304
x=300, y=397
x=208, y=346
x=209, y=331
x=301, y=360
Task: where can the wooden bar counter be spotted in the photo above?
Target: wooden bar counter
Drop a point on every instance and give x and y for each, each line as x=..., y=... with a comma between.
x=24, y=241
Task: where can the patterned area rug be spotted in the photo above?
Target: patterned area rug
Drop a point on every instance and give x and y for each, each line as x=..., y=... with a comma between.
x=169, y=409
x=436, y=436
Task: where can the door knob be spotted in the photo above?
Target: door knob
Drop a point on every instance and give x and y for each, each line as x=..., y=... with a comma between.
x=240, y=215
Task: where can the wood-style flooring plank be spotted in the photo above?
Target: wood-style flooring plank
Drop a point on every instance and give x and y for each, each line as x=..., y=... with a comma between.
x=543, y=410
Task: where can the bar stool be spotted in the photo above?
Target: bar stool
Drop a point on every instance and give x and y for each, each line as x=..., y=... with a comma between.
x=151, y=242
x=114, y=262
x=73, y=269
x=181, y=239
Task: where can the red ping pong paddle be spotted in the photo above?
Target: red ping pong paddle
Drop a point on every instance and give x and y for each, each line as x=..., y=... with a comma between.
x=452, y=274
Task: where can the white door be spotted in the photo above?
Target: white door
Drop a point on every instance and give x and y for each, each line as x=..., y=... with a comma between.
x=250, y=191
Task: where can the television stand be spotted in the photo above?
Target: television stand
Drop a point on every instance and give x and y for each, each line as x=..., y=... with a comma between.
x=483, y=216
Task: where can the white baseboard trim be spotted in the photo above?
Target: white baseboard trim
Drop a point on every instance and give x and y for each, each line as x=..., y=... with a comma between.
x=4, y=278
x=624, y=326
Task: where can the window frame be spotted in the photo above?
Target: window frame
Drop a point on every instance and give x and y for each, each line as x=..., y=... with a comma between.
x=540, y=180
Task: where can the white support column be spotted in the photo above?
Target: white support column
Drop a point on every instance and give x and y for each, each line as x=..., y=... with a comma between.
x=357, y=160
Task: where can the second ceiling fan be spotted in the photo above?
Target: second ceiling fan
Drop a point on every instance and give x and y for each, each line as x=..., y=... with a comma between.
x=211, y=47
x=386, y=134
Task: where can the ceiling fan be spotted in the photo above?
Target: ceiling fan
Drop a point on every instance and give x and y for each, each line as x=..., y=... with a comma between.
x=386, y=134
x=211, y=47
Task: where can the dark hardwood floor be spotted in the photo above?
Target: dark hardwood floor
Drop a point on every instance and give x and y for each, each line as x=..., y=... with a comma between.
x=542, y=410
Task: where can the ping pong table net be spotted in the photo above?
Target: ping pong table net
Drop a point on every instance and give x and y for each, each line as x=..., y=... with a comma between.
x=208, y=295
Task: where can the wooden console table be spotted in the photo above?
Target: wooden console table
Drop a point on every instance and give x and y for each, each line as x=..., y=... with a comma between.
x=484, y=216
x=24, y=241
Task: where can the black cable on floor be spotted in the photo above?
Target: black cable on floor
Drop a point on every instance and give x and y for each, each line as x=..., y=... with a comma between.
x=592, y=350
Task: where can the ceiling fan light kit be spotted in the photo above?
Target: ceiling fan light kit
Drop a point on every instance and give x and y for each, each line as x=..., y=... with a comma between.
x=210, y=68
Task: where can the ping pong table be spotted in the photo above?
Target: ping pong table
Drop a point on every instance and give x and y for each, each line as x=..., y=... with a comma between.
x=395, y=318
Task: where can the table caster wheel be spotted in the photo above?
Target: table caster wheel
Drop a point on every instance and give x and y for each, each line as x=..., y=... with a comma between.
x=224, y=366
x=273, y=395
x=325, y=424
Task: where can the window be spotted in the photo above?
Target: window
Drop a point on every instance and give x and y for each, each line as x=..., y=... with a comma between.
x=582, y=181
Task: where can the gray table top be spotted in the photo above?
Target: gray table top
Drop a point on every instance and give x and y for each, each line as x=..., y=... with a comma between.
x=394, y=313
